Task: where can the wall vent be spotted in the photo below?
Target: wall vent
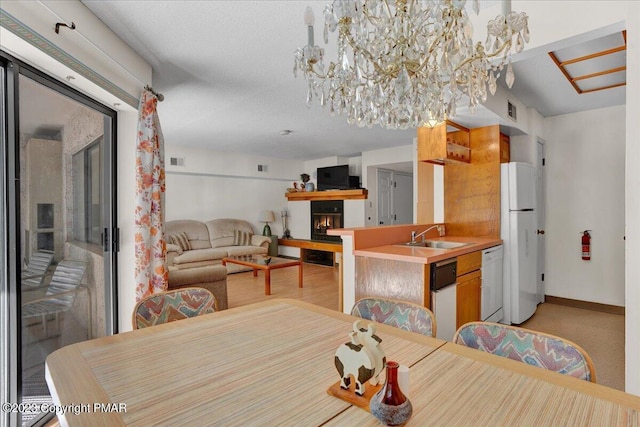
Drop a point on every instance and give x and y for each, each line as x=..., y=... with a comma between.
x=176, y=161
x=512, y=112
x=262, y=168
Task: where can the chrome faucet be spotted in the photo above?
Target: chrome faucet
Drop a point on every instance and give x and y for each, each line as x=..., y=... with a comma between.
x=414, y=236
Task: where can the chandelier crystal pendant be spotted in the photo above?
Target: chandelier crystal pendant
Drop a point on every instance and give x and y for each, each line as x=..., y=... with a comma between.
x=405, y=63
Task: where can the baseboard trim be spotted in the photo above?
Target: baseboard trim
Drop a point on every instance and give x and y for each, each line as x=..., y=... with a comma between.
x=588, y=305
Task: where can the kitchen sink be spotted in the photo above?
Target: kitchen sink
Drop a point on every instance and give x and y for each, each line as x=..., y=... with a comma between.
x=437, y=244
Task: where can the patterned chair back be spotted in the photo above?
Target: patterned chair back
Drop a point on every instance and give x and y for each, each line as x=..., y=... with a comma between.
x=172, y=305
x=531, y=347
x=403, y=315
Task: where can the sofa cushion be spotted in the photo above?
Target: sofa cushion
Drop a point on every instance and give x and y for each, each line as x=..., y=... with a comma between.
x=181, y=240
x=221, y=231
x=241, y=238
x=197, y=232
x=197, y=255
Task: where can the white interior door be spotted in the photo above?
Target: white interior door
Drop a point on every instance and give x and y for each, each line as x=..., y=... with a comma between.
x=385, y=185
x=540, y=208
x=402, y=198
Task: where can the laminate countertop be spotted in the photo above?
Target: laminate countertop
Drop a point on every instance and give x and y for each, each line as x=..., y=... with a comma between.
x=423, y=255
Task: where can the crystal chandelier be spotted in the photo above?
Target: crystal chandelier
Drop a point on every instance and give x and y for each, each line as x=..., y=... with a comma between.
x=405, y=63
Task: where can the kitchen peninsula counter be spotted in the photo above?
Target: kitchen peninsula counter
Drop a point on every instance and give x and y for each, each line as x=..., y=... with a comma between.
x=376, y=261
x=421, y=255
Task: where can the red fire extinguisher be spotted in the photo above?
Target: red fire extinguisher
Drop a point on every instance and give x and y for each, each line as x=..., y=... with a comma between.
x=586, y=245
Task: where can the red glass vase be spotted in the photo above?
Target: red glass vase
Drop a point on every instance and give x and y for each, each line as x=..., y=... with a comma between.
x=389, y=405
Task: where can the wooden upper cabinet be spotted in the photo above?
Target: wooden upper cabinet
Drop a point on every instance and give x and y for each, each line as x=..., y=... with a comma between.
x=444, y=143
x=505, y=148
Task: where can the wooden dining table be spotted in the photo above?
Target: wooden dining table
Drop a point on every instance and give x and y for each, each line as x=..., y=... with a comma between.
x=271, y=363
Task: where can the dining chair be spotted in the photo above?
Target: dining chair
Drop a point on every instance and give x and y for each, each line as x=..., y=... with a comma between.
x=33, y=275
x=527, y=346
x=174, y=305
x=61, y=292
x=400, y=314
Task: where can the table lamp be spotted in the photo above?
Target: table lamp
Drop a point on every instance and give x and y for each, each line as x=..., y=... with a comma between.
x=266, y=217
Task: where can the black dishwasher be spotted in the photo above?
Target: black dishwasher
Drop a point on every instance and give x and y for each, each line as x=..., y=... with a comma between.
x=443, y=273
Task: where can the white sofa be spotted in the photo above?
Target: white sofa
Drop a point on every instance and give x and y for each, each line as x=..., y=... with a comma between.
x=210, y=242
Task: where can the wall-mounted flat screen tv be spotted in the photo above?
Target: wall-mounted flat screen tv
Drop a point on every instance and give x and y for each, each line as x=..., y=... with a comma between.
x=336, y=178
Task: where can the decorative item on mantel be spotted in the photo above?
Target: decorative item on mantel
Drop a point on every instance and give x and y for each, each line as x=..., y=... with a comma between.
x=307, y=185
x=361, y=359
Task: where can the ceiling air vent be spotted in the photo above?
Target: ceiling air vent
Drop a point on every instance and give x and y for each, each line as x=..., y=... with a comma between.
x=176, y=161
x=512, y=112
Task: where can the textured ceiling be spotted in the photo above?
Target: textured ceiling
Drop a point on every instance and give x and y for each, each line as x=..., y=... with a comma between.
x=226, y=71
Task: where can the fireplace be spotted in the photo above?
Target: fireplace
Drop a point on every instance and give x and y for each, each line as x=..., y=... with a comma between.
x=325, y=215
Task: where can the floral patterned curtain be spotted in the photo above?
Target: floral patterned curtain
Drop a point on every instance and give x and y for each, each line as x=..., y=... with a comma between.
x=150, y=246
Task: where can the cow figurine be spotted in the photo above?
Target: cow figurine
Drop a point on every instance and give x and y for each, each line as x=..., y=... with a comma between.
x=362, y=357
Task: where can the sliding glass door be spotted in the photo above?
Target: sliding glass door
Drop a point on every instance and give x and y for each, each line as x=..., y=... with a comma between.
x=58, y=225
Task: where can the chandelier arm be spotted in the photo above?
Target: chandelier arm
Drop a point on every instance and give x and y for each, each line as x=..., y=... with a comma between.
x=499, y=51
x=366, y=53
x=432, y=47
x=386, y=5
x=371, y=18
x=487, y=56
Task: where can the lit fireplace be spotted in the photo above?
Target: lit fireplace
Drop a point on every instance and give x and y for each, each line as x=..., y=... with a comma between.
x=326, y=215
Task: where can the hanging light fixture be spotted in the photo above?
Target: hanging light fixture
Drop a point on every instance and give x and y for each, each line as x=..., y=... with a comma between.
x=404, y=63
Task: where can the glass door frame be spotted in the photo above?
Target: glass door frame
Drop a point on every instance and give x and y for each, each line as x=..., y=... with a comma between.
x=10, y=297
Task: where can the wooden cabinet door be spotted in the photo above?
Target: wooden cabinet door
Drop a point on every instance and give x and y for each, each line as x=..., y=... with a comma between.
x=468, y=295
x=469, y=262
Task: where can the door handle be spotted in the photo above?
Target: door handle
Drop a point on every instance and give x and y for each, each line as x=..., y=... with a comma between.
x=540, y=231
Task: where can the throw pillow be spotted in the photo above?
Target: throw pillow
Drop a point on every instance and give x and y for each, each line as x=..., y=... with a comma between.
x=241, y=238
x=181, y=240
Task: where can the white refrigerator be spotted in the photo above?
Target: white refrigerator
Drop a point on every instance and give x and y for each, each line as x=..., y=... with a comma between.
x=518, y=226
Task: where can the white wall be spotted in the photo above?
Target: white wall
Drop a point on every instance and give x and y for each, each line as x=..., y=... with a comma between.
x=585, y=155
x=523, y=147
x=214, y=184
x=632, y=203
x=127, y=128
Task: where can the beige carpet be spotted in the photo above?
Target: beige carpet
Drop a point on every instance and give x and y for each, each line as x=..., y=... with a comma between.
x=600, y=334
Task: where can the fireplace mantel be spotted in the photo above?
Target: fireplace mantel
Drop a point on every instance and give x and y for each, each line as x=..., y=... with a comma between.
x=360, y=193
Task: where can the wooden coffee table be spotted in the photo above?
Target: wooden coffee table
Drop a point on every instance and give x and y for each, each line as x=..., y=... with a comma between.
x=258, y=262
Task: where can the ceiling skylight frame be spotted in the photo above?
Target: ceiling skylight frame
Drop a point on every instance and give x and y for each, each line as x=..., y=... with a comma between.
x=574, y=80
